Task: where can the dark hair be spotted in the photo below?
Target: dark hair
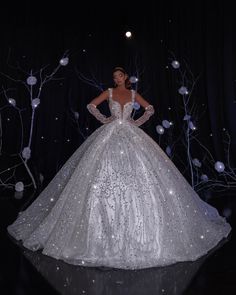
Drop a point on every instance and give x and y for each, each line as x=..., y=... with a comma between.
x=127, y=81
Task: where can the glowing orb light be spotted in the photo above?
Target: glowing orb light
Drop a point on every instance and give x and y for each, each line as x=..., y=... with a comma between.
x=160, y=130
x=204, y=177
x=196, y=162
x=128, y=34
x=175, y=64
x=31, y=80
x=183, y=90
x=19, y=186
x=136, y=105
x=166, y=124
x=26, y=153
x=219, y=166
x=168, y=150
x=35, y=102
x=12, y=101
x=133, y=79
x=64, y=61
x=76, y=114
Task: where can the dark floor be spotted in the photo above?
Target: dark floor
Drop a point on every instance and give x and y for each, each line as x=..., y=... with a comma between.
x=23, y=272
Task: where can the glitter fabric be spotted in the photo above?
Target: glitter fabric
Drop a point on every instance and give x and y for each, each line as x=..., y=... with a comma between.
x=120, y=202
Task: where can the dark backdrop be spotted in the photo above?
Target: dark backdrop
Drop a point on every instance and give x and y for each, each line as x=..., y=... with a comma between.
x=200, y=34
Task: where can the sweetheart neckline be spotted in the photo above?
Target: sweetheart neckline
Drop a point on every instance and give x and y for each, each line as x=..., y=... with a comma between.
x=122, y=108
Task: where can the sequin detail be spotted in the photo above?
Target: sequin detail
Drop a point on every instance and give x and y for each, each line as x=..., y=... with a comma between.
x=119, y=201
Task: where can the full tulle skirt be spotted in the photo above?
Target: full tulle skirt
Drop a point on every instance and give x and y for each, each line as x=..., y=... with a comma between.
x=120, y=202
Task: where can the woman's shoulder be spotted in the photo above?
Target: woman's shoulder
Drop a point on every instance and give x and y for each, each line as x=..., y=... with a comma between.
x=109, y=91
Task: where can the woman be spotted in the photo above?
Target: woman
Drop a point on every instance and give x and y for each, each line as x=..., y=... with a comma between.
x=122, y=86
x=119, y=201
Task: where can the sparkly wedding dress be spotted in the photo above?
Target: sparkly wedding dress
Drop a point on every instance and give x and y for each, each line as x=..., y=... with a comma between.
x=120, y=202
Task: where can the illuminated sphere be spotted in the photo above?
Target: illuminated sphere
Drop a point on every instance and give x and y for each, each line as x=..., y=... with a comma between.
x=31, y=80
x=35, y=102
x=166, y=124
x=136, y=105
x=160, y=130
x=12, y=101
x=219, y=166
x=19, y=186
x=186, y=117
x=204, y=177
x=128, y=34
x=64, y=61
x=196, y=162
x=76, y=114
x=26, y=153
x=191, y=126
x=183, y=90
x=175, y=64
x=133, y=79
x=168, y=150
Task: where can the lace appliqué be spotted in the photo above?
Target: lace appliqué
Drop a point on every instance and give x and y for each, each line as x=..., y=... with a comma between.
x=149, y=111
x=98, y=115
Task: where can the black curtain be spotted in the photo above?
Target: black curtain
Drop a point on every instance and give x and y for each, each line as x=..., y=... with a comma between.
x=199, y=34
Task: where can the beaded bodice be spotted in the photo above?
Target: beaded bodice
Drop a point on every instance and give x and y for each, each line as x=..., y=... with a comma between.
x=119, y=111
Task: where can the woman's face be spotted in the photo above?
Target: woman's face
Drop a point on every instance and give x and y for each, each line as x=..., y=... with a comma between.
x=119, y=78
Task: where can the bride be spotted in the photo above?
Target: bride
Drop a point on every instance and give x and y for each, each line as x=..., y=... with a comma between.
x=119, y=201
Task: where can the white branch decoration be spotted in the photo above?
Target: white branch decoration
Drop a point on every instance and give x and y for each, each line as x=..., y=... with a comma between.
x=200, y=181
x=34, y=83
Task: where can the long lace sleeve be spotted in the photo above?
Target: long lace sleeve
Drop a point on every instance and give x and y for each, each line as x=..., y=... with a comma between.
x=98, y=115
x=149, y=111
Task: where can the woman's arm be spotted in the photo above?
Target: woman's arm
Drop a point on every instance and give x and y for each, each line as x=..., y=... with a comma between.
x=99, y=99
x=141, y=100
x=92, y=108
x=149, y=110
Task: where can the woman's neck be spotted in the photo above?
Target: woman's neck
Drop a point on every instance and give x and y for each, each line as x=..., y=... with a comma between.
x=121, y=87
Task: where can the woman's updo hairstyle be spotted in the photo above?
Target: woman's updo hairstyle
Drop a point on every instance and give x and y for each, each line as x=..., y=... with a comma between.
x=127, y=81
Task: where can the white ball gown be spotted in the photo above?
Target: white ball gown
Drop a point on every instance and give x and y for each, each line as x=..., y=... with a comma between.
x=120, y=202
